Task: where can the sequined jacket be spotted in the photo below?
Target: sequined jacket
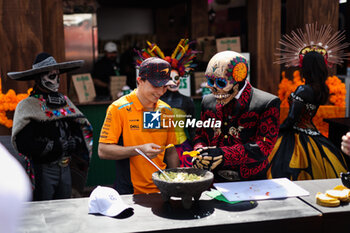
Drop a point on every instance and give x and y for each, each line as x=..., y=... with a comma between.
x=248, y=132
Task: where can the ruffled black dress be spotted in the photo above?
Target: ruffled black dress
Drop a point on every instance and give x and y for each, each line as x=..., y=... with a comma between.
x=301, y=151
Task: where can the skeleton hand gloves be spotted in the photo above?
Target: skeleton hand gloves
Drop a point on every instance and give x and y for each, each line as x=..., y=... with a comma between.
x=209, y=158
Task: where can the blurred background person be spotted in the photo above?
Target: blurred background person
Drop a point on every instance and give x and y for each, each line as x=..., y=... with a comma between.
x=103, y=69
x=127, y=66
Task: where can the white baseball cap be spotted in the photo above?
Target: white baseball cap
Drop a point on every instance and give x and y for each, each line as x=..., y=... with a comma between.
x=106, y=201
x=110, y=47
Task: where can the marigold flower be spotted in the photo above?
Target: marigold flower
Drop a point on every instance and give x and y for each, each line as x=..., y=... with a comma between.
x=8, y=102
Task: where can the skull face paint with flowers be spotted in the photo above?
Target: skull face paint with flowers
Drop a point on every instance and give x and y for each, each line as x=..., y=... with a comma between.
x=174, y=75
x=51, y=80
x=224, y=73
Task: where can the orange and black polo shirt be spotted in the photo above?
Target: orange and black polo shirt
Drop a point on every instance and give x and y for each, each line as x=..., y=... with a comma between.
x=124, y=125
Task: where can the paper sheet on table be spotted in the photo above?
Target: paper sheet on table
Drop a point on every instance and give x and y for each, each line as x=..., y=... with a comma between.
x=260, y=189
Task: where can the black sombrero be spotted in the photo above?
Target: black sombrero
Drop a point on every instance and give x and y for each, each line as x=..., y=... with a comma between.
x=43, y=63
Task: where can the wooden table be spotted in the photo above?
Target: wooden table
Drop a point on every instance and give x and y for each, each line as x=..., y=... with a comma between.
x=151, y=214
x=334, y=219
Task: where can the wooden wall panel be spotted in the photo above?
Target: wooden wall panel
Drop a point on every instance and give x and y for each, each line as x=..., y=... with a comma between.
x=21, y=39
x=199, y=18
x=26, y=29
x=264, y=32
x=301, y=12
x=169, y=33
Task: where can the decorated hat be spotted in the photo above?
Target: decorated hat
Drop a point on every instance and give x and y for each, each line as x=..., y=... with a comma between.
x=43, y=63
x=227, y=66
x=180, y=60
x=156, y=71
x=322, y=40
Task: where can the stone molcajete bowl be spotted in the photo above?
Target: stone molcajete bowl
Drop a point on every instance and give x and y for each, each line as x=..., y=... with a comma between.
x=184, y=189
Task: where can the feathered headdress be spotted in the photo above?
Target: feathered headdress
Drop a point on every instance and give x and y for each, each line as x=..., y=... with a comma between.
x=181, y=59
x=323, y=41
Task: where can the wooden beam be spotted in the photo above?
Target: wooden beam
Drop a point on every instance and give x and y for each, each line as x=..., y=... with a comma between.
x=263, y=36
x=53, y=34
x=199, y=18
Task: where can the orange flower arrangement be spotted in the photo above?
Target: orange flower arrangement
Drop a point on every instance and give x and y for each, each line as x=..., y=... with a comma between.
x=337, y=92
x=286, y=87
x=8, y=102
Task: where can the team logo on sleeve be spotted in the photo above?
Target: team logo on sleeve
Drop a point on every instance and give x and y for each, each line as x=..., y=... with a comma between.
x=151, y=120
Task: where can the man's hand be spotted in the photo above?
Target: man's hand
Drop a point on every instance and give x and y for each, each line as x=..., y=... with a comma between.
x=151, y=150
x=345, y=144
x=209, y=158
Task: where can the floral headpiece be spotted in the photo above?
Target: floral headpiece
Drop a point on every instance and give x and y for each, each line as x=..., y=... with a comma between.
x=227, y=66
x=322, y=41
x=181, y=59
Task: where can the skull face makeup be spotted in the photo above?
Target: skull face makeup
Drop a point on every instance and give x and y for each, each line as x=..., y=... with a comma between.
x=224, y=73
x=174, y=75
x=51, y=80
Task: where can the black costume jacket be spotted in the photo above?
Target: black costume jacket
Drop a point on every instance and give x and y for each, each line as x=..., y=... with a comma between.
x=249, y=130
x=39, y=130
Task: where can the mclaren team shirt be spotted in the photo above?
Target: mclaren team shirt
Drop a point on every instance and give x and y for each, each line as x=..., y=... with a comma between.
x=128, y=124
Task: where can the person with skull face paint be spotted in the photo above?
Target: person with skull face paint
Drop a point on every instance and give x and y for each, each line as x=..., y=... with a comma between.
x=50, y=130
x=183, y=107
x=301, y=151
x=239, y=148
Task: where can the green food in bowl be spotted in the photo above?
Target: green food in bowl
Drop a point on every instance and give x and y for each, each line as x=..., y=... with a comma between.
x=180, y=177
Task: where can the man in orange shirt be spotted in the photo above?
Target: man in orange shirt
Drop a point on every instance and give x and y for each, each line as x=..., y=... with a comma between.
x=135, y=121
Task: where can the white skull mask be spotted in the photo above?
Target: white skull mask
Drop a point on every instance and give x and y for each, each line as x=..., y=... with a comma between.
x=51, y=81
x=174, y=75
x=224, y=73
